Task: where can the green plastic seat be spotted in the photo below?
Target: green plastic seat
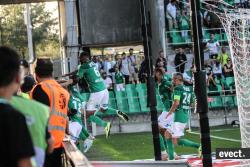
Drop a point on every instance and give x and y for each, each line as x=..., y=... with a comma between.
x=216, y=102
x=230, y=81
x=228, y=101
x=134, y=106
x=112, y=104
x=143, y=104
x=219, y=88
x=141, y=86
x=130, y=86
x=122, y=102
x=235, y=101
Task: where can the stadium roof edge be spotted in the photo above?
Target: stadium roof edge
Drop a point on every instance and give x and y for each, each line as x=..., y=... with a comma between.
x=8, y=2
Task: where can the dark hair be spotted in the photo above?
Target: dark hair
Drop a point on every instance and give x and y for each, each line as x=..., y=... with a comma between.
x=84, y=54
x=159, y=70
x=9, y=65
x=28, y=84
x=179, y=75
x=131, y=49
x=24, y=63
x=44, y=67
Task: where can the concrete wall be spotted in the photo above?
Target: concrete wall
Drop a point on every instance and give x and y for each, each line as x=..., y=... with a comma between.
x=142, y=123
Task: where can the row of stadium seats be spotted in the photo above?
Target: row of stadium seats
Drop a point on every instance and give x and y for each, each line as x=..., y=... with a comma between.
x=134, y=100
x=176, y=37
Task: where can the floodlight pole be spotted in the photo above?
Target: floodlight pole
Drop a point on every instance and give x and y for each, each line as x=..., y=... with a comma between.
x=146, y=34
x=200, y=83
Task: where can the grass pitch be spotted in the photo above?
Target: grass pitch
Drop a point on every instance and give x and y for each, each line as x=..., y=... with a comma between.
x=128, y=147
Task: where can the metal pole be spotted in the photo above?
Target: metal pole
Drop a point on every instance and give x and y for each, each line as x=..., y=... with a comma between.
x=29, y=33
x=200, y=84
x=146, y=34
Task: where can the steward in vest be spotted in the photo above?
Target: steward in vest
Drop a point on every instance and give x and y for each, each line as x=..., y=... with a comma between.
x=50, y=93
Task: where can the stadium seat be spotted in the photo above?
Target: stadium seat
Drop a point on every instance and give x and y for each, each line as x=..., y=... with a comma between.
x=219, y=88
x=133, y=105
x=228, y=101
x=216, y=102
x=217, y=37
x=112, y=103
x=143, y=104
x=141, y=86
x=235, y=101
x=122, y=102
x=230, y=81
x=130, y=86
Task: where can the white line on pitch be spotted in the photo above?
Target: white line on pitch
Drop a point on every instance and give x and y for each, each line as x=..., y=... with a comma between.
x=217, y=137
x=220, y=130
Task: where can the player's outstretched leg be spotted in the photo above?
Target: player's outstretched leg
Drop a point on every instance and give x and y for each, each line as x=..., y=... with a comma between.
x=188, y=143
x=102, y=123
x=119, y=113
x=122, y=115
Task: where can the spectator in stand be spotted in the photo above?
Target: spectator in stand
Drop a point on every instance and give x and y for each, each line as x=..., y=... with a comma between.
x=184, y=25
x=212, y=87
x=217, y=69
x=213, y=47
x=107, y=65
x=133, y=70
x=124, y=68
x=171, y=14
x=16, y=146
x=46, y=91
x=119, y=80
x=161, y=61
x=107, y=80
x=206, y=17
x=222, y=58
x=143, y=72
x=97, y=63
x=228, y=68
x=208, y=68
x=180, y=61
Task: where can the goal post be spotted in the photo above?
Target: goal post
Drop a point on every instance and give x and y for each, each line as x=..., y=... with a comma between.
x=236, y=22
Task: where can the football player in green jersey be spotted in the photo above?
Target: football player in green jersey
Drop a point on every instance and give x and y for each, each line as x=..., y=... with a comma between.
x=165, y=88
x=99, y=95
x=78, y=103
x=182, y=99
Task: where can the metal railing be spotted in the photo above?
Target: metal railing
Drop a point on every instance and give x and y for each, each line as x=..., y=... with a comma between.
x=205, y=38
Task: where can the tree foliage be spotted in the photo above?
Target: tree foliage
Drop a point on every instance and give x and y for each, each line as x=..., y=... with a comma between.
x=13, y=30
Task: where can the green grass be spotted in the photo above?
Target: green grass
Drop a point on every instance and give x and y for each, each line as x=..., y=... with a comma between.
x=122, y=147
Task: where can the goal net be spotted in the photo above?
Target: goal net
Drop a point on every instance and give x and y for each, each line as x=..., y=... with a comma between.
x=236, y=23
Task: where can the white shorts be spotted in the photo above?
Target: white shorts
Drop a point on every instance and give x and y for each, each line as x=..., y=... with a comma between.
x=177, y=129
x=75, y=129
x=119, y=87
x=98, y=100
x=163, y=122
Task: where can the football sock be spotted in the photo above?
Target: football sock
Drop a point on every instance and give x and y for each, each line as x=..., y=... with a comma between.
x=162, y=143
x=170, y=149
x=188, y=143
x=98, y=121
